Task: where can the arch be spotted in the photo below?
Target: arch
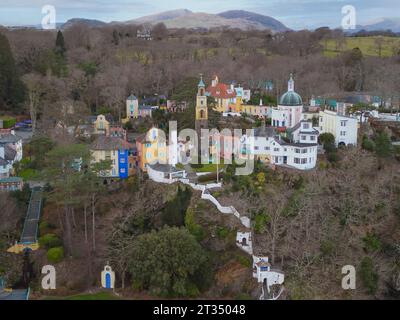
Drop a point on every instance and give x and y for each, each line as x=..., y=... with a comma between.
x=202, y=114
x=342, y=144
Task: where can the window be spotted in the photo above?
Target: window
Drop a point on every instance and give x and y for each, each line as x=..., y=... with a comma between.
x=297, y=150
x=256, y=148
x=122, y=160
x=306, y=125
x=303, y=138
x=297, y=160
x=304, y=150
x=312, y=138
x=304, y=161
x=276, y=149
x=266, y=148
x=343, y=123
x=343, y=133
x=122, y=170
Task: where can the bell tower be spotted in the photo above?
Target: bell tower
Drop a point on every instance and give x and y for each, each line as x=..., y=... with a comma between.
x=201, y=107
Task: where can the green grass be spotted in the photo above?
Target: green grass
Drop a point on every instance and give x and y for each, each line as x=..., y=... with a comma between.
x=210, y=167
x=28, y=174
x=366, y=44
x=88, y=296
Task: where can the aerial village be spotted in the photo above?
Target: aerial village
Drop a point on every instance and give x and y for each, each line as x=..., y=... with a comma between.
x=288, y=136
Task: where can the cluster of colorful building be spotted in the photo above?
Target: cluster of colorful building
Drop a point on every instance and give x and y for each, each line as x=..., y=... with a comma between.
x=291, y=140
x=10, y=153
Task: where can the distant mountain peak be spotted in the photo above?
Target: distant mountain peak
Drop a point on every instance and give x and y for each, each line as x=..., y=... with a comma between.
x=82, y=21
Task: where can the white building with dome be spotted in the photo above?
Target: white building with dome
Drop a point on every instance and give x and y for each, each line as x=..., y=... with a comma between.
x=289, y=110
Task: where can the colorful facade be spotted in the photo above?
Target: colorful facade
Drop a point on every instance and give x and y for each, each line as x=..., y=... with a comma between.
x=116, y=150
x=152, y=148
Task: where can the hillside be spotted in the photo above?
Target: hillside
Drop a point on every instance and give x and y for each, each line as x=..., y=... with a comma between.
x=267, y=22
x=382, y=24
x=184, y=18
x=368, y=46
x=161, y=17
x=86, y=22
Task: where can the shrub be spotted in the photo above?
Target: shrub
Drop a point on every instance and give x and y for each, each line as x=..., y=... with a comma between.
x=261, y=220
x=45, y=227
x=8, y=122
x=369, y=277
x=327, y=248
x=222, y=232
x=49, y=241
x=367, y=144
x=55, y=255
x=372, y=242
x=383, y=145
x=245, y=261
x=326, y=139
x=194, y=228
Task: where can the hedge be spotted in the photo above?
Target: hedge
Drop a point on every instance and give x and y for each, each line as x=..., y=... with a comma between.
x=55, y=255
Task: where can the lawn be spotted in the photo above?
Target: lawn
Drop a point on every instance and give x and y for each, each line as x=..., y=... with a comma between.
x=103, y=295
x=366, y=44
x=209, y=167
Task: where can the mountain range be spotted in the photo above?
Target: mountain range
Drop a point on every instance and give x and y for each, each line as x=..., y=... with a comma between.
x=245, y=20
x=184, y=18
x=382, y=24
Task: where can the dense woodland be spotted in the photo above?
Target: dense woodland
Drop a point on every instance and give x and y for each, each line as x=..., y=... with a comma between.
x=344, y=212
x=96, y=68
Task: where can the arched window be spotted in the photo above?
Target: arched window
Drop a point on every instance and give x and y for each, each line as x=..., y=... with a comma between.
x=201, y=114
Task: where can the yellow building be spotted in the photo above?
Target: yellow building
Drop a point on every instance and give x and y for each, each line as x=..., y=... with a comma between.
x=101, y=125
x=152, y=148
x=201, y=121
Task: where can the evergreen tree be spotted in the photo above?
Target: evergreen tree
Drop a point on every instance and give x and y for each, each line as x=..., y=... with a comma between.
x=11, y=86
x=60, y=45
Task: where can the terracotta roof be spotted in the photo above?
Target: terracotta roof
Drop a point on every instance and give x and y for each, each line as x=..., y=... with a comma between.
x=222, y=91
x=110, y=143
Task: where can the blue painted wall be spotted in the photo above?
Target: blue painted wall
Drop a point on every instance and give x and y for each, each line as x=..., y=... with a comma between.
x=123, y=165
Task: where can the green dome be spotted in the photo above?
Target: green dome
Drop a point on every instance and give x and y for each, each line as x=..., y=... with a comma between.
x=290, y=98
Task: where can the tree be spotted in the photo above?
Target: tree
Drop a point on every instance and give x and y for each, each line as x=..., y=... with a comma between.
x=174, y=212
x=65, y=180
x=160, y=31
x=11, y=87
x=167, y=262
x=60, y=45
x=35, y=91
x=383, y=145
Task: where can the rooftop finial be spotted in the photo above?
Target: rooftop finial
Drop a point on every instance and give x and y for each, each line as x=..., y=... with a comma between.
x=291, y=83
x=201, y=83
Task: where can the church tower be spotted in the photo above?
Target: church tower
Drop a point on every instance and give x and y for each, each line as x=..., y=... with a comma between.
x=201, y=107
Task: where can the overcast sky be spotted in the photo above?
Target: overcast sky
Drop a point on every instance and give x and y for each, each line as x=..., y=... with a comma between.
x=295, y=14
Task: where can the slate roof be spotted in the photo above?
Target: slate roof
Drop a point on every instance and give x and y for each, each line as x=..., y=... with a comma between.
x=110, y=143
x=3, y=162
x=166, y=168
x=264, y=132
x=9, y=138
x=9, y=153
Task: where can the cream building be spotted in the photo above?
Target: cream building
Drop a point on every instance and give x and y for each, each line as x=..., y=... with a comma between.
x=343, y=128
